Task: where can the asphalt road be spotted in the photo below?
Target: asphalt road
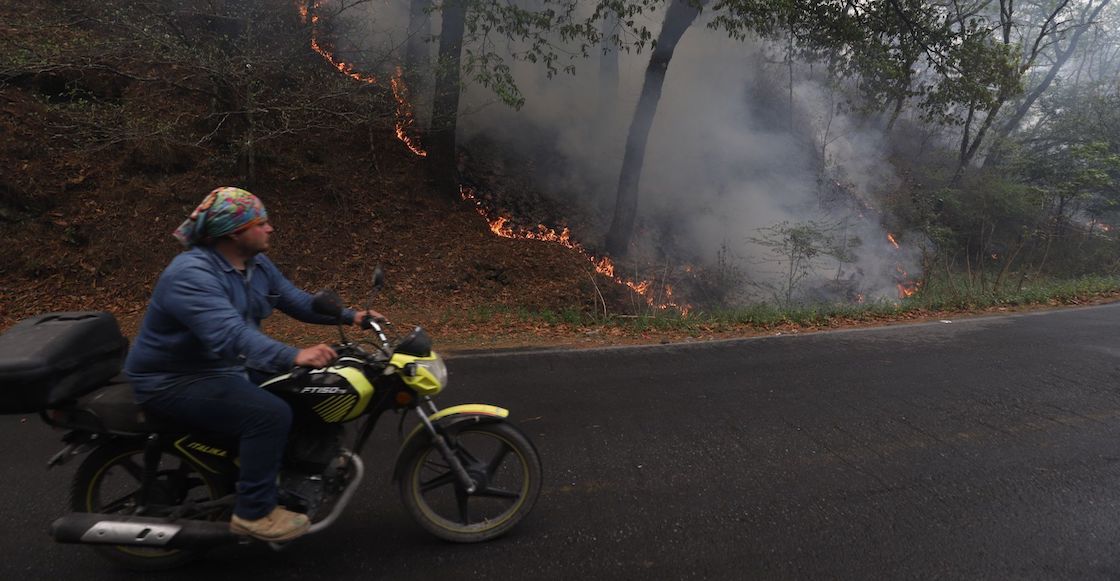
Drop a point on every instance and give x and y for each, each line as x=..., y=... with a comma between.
x=977, y=449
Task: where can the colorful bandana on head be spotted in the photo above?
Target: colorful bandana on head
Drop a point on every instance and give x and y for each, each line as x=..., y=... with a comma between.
x=224, y=211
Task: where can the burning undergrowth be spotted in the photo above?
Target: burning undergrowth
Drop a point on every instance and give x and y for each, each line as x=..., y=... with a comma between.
x=748, y=183
x=726, y=167
x=845, y=257
x=503, y=187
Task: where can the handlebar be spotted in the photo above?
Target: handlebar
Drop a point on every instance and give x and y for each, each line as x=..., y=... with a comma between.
x=368, y=321
x=376, y=326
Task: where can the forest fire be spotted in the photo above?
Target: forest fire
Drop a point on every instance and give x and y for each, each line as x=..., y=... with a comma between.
x=603, y=266
x=906, y=286
x=404, y=121
x=405, y=118
x=307, y=9
x=404, y=114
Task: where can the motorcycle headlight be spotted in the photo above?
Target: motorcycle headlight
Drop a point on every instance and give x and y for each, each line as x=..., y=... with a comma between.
x=425, y=375
x=437, y=368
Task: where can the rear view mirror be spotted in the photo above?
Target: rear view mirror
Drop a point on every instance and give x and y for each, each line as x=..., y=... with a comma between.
x=327, y=302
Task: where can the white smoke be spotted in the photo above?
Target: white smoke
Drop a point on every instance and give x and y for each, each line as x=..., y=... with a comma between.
x=721, y=161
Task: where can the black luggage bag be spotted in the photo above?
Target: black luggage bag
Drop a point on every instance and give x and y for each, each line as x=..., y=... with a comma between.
x=54, y=358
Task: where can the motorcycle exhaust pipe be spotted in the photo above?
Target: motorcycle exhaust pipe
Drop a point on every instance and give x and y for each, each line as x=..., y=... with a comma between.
x=139, y=531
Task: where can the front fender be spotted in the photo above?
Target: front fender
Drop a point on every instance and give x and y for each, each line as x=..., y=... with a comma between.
x=447, y=421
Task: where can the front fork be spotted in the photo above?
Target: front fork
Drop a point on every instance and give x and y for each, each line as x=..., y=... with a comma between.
x=441, y=444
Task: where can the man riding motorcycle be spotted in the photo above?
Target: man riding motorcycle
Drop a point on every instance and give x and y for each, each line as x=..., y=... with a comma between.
x=200, y=341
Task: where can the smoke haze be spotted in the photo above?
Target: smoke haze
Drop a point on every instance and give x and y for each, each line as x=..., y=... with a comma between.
x=726, y=158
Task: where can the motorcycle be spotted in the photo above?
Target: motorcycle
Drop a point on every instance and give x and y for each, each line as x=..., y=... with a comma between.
x=152, y=495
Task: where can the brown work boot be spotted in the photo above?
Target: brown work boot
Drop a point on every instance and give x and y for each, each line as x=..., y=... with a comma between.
x=278, y=526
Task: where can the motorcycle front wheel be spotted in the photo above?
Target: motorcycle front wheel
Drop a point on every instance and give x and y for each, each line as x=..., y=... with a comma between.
x=109, y=482
x=499, y=459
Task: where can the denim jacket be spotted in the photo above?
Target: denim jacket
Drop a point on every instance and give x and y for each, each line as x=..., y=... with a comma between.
x=204, y=317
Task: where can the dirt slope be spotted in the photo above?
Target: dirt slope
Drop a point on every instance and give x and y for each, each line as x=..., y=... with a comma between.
x=91, y=230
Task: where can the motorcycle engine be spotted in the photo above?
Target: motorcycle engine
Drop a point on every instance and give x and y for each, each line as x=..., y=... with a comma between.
x=312, y=447
x=312, y=463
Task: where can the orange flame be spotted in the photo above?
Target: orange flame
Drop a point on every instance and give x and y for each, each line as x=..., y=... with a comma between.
x=603, y=265
x=405, y=117
x=404, y=121
x=907, y=287
x=306, y=10
x=404, y=114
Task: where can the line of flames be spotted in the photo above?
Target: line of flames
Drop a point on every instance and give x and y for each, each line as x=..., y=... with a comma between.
x=907, y=287
x=404, y=120
x=603, y=265
x=308, y=11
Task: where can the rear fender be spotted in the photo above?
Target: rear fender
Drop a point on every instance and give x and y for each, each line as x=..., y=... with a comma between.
x=448, y=421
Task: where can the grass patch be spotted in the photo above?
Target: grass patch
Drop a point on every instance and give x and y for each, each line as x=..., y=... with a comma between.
x=765, y=316
x=1052, y=291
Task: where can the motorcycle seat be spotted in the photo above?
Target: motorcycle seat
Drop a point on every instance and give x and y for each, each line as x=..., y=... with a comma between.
x=112, y=409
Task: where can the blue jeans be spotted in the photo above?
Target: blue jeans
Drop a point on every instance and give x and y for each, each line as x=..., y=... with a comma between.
x=231, y=405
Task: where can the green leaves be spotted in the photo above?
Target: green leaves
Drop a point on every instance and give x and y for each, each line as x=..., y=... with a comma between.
x=796, y=248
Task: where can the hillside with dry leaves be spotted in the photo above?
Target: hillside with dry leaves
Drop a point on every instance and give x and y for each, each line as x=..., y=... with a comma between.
x=102, y=234
x=107, y=148
x=86, y=218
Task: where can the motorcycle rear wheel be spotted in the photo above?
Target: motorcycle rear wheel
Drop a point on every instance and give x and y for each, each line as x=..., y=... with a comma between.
x=503, y=463
x=109, y=480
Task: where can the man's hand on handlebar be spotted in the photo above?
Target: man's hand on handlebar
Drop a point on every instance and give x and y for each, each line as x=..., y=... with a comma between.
x=360, y=316
x=319, y=355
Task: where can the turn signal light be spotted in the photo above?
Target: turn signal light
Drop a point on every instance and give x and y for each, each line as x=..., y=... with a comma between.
x=403, y=398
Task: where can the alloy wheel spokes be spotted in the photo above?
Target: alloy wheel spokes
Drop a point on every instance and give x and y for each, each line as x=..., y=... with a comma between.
x=496, y=461
x=461, y=498
x=491, y=492
x=115, y=505
x=438, y=465
x=464, y=453
x=499, y=492
x=441, y=480
x=133, y=468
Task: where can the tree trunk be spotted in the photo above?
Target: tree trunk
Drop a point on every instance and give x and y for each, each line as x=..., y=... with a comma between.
x=445, y=103
x=1022, y=241
x=608, y=68
x=898, y=102
x=1059, y=61
x=968, y=155
x=247, y=155
x=606, y=108
x=789, y=71
x=419, y=29
x=1060, y=222
x=678, y=18
x=966, y=136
